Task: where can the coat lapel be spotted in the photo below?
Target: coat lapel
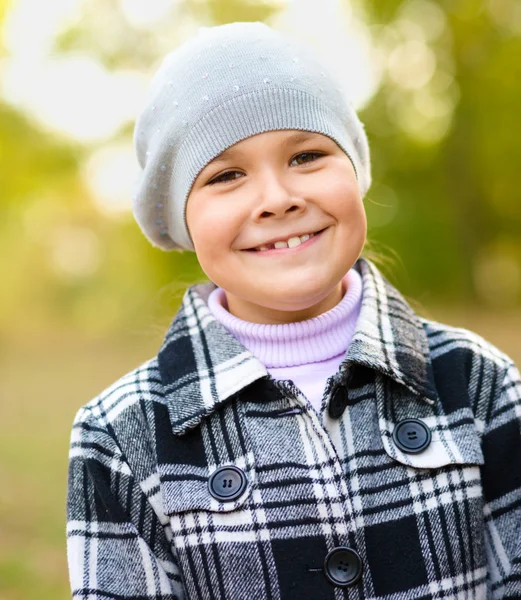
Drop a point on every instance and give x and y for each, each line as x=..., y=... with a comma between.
x=201, y=364
x=389, y=336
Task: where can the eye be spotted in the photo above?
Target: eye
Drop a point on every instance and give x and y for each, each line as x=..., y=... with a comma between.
x=315, y=154
x=220, y=177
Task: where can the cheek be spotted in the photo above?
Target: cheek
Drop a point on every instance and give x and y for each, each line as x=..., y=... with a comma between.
x=350, y=212
x=347, y=201
x=356, y=218
x=356, y=208
x=211, y=230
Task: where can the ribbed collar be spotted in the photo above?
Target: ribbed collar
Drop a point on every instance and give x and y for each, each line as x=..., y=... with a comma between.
x=299, y=343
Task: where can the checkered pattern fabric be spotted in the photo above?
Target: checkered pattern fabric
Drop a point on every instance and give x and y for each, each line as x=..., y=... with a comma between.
x=442, y=523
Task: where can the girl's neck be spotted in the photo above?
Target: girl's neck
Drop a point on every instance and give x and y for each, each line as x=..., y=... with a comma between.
x=288, y=344
x=253, y=313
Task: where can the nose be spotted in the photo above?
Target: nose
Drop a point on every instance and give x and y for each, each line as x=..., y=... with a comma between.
x=275, y=197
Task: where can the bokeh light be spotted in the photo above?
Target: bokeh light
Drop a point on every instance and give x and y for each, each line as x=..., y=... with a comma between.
x=110, y=173
x=74, y=251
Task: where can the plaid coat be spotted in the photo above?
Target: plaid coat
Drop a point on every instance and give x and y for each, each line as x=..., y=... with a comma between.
x=441, y=523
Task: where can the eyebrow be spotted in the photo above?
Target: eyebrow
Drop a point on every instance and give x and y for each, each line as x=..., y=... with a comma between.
x=296, y=138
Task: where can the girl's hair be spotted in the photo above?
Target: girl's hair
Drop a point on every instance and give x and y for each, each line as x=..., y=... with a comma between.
x=376, y=253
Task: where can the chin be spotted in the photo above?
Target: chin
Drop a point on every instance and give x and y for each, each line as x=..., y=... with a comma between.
x=292, y=298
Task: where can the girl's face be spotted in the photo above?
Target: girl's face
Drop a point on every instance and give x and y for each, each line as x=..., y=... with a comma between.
x=273, y=186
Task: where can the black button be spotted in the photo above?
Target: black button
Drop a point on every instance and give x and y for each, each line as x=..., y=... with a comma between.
x=338, y=402
x=412, y=435
x=343, y=566
x=227, y=483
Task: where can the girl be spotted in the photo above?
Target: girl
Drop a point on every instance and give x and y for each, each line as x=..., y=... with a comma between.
x=302, y=432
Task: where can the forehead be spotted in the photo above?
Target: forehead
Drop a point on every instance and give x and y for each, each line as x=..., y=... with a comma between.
x=290, y=138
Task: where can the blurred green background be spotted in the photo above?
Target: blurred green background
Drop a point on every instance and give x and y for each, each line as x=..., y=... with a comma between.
x=85, y=298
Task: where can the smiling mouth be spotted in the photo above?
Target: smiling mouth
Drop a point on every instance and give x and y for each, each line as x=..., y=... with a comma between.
x=287, y=249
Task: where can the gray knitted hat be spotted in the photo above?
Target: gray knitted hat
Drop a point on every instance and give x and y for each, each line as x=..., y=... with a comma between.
x=223, y=85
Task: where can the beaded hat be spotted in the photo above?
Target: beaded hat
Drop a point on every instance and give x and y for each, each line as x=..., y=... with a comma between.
x=225, y=84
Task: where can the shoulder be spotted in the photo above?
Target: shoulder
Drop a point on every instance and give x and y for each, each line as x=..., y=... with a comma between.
x=446, y=340
x=117, y=419
x=117, y=428
x=140, y=384
x=464, y=360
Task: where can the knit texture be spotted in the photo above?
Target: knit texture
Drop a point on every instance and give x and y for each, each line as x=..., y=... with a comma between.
x=226, y=84
x=307, y=352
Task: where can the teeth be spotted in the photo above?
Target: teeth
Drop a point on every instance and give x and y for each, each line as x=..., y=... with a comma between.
x=291, y=243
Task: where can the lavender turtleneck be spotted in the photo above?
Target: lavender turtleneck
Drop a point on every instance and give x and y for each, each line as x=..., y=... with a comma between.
x=307, y=352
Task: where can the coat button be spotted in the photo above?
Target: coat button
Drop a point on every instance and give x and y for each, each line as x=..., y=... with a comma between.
x=338, y=402
x=412, y=435
x=343, y=566
x=227, y=483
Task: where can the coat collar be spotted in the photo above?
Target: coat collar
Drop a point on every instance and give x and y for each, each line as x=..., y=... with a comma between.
x=202, y=365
